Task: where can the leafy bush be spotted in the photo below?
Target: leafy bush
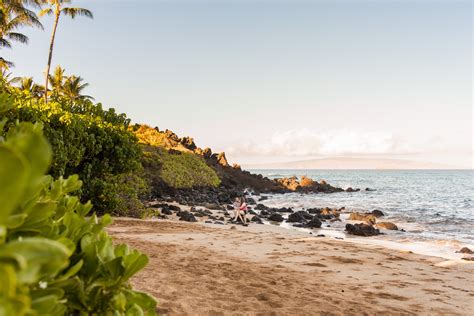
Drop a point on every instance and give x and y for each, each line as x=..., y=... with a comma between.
x=178, y=169
x=86, y=140
x=53, y=259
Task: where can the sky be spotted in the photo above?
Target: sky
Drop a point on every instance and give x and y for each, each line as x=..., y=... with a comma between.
x=269, y=81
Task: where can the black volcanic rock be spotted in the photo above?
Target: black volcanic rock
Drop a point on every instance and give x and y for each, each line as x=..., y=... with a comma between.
x=362, y=230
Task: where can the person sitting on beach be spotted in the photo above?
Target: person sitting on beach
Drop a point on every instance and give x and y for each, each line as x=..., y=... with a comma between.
x=239, y=213
x=244, y=209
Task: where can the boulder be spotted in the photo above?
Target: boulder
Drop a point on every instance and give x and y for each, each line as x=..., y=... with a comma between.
x=275, y=217
x=362, y=230
x=387, y=225
x=364, y=217
x=377, y=213
x=166, y=211
x=314, y=223
x=298, y=217
x=314, y=210
x=187, y=217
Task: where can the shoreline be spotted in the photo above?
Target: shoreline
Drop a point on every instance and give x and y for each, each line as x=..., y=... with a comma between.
x=447, y=249
x=198, y=268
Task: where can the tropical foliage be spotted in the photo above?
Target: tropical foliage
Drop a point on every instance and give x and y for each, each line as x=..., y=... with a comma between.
x=87, y=140
x=53, y=259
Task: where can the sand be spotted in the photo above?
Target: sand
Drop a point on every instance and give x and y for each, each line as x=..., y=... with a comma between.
x=208, y=269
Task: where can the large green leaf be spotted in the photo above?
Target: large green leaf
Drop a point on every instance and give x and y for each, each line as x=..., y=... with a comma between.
x=13, y=180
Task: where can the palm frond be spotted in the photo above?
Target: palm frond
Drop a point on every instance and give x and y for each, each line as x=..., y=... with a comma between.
x=73, y=12
x=18, y=37
x=46, y=11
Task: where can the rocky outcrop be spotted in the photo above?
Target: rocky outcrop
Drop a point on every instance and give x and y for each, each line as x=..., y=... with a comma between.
x=362, y=230
x=307, y=185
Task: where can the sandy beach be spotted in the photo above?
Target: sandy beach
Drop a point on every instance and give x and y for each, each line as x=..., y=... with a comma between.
x=208, y=269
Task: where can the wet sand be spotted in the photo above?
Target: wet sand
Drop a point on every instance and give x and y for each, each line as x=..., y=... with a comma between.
x=204, y=269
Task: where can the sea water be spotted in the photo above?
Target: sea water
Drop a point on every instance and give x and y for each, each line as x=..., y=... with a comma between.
x=434, y=207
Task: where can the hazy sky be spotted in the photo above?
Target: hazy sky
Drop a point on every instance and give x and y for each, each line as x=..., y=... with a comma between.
x=279, y=80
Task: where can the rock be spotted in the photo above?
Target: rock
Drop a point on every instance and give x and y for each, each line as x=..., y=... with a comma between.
x=263, y=198
x=377, y=213
x=230, y=207
x=187, y=217
x=328, y=213
x=298, y=217
x=236, y=166
x=465, y=250
x=251, y=201
x=222, y=160
x=349, y=189
x=212, y=206
x=468, y=258
x=306, y=182
x=369, y=189
x=314, y=223
x=256, y=219
x=275, y=217
x=314, y=210
x=208, y=222
x=387, y=225
x=261, y=207
x=282, y=210
x=362, y=230
x=166, y=211
x=367, y=217
x=218, y=223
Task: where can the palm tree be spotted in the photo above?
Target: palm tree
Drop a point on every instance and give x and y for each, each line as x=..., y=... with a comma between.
x=57, y=78
x=13, y=15
x=27, y=84
x=6, y=79
x=73, y=87
x=56, y=8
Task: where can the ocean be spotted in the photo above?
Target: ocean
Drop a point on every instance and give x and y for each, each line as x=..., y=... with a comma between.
x=434, y=207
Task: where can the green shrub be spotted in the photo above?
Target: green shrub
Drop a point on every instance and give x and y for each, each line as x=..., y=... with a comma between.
x=178, y=169
x=53, y=259
x=86, y=140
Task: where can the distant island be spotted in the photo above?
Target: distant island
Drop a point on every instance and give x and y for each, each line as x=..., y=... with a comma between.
x=352, y=163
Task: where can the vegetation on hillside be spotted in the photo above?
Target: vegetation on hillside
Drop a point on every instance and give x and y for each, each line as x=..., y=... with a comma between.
x=178, y=170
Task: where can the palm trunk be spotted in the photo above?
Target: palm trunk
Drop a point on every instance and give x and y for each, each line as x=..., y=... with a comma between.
x=50, y=56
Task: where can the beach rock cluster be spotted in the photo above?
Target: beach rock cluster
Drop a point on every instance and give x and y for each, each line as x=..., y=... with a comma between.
x=370, y=227
x=307, y=185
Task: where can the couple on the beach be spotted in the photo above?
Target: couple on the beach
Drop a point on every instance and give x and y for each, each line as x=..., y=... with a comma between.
x=240, y=210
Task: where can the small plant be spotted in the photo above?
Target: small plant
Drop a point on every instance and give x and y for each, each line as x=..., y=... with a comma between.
x=53, y=259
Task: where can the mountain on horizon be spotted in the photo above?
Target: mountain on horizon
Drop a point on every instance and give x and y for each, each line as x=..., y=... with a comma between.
x=352, y=163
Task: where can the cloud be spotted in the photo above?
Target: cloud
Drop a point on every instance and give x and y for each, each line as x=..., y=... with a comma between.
x=314, y=142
